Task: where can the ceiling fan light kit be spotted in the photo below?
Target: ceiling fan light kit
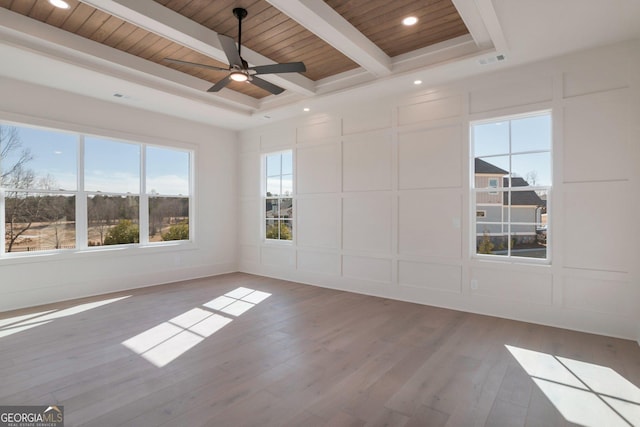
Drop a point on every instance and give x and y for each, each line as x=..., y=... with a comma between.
x=239, y=76
x=239, y=68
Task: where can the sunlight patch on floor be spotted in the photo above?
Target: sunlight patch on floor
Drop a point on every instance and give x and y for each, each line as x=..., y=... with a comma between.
x=166, y=342
x=584, y=393
x=21, y=323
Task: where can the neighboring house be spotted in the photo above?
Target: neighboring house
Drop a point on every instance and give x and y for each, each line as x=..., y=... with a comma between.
x=286, y=208
x=492, y=207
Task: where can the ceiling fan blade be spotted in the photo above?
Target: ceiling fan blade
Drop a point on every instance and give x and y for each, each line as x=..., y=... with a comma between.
x=290, y=67
x=230, y=49
x=269, y=87
x=210, y=67
x=222, y=83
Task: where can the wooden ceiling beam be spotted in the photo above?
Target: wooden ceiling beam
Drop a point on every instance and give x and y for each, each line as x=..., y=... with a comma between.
x=165, y=22
x=482, y=22
x=326, y=23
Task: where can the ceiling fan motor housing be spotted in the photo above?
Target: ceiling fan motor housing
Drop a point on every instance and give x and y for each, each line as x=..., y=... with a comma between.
x=240, y=13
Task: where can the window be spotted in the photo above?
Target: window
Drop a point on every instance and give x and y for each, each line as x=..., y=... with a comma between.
x=54, y=198
x=493, y=183
x=167, y=187
x=278, y=196
x=112, y=188
x=38, y=176
x=511, y=185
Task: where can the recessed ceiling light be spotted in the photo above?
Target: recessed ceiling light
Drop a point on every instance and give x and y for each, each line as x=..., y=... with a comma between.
x=409, y=20
x=59, y=3
x=306, y=109
x=417, y=82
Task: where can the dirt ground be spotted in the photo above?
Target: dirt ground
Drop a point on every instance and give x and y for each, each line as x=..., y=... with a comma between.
x=42, y=236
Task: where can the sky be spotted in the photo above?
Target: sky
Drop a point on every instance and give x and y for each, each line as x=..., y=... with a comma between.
x=110, y=166
x=113, y=166
x=528, y=134
x=280, y=173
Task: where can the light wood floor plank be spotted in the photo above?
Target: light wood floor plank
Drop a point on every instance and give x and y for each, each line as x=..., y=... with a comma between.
x=304, y=356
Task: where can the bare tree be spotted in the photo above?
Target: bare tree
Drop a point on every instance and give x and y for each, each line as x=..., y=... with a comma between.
x=55, y=212
x=19, y=208
x=10, y=143
x=532, y=177
x=20, y=212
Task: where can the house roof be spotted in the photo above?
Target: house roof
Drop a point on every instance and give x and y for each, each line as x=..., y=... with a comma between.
x=521, y=198
x=487, y=168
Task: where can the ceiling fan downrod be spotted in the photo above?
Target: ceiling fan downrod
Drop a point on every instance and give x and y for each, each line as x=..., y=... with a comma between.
x=240, y=13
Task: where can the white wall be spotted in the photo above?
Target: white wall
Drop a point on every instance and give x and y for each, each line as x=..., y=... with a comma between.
x=382, y=196
x=37, y=280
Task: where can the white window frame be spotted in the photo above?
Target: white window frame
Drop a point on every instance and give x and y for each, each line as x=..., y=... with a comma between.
x=264, y=197
x=497, y=181
x=81, y=244
x=509, y=257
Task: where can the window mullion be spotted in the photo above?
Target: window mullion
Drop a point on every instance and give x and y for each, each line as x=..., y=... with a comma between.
x=82, y=215
x=2, y=217
x=510, y=213
x=143, y=201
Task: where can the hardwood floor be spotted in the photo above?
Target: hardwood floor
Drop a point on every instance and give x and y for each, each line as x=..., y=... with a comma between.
x=303, y=356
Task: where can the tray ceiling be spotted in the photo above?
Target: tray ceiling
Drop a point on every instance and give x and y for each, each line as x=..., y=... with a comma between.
x=267, y=33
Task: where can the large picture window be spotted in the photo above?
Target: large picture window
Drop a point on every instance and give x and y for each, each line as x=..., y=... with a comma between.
x=53, y=184
x=278, y=195
x=511, y=186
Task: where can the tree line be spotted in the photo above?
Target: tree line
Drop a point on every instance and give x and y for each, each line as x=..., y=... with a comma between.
x=113, y=217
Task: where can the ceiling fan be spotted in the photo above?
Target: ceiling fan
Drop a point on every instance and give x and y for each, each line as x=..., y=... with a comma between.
x=238, y=67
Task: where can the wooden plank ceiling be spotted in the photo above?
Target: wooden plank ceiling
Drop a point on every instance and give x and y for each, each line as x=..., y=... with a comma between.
x=265, y=30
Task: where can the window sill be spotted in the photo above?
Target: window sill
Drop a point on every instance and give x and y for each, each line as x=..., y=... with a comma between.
x=110, y=251
x=523, y=263
x=276, y=242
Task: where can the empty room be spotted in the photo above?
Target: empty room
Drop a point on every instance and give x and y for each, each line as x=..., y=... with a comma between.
x=320, y=213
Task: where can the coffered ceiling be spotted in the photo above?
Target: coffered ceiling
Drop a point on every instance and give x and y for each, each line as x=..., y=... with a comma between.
x=267, y=31
x=118, y=47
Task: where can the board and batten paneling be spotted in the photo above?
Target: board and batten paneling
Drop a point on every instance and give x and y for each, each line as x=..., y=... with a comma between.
x=367, y=162
x=581, y=77
x=529, y=288
x=249, y=166
x=318, y=169
x=319, y=262
x=438, y=277
x=397, y=174
x=367, y=268
x=610, y=297
x=317, y=221
x=596, y=226
x=283, y=257
x=376, y=116
x=430, y=110
x=366, y=223
x=429, y=224
x=316, y=131
x=591, y=122
x=509, y=91
x=430, y=158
